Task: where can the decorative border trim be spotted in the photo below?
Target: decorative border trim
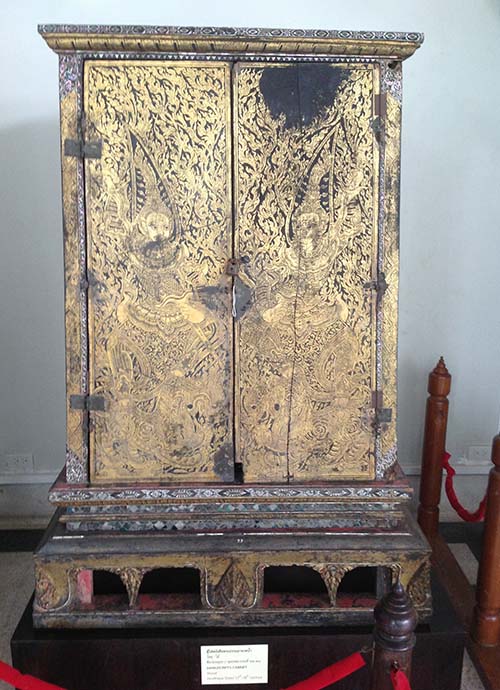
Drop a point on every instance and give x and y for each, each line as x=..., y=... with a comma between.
x=381, y=242
x=392, y=82
x=236, y=510
x=336, y=526
x=388, y=262
x=75, y=261
x=72, y=495
x=223, y=57
x=228, y=32
x=71, y=37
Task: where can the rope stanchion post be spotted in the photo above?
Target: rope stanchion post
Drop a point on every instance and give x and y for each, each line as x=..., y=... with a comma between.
x=394, y=637
x=486, y=620
x=436, y=419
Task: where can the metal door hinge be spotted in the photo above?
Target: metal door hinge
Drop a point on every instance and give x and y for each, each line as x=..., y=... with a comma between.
x=383, y=415
x=379, y=114
x=380, y=285
x=377, y=399
x=79, y=147
x=87, y=281
x=88, y=424
x=87, y=402
x=380, y=105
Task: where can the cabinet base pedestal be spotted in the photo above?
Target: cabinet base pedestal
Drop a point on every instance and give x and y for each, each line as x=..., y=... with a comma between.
x=152, y=659
x=241, y=577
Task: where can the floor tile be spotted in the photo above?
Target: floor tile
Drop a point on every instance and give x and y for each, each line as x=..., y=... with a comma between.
x=466, y=560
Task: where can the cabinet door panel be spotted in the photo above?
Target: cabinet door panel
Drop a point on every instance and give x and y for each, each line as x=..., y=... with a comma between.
x=306, y=228
x=158, y=206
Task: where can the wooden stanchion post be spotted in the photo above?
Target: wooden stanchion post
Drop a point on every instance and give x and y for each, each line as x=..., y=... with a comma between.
x=486, y=620
x=436, y=419
x=395, y=622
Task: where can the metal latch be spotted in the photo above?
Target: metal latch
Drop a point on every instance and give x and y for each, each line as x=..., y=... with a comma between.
x=380, y=285
x=233, y=265
x=87, y=402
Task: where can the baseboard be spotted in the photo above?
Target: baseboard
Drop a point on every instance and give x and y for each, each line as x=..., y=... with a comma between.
x=25, y=506
x=28, y=478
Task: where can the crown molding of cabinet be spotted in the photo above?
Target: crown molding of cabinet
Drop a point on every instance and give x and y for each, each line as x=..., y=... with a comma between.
x=170, y=39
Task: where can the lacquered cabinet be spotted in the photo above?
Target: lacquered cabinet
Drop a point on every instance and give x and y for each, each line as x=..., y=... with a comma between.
x=231, y=261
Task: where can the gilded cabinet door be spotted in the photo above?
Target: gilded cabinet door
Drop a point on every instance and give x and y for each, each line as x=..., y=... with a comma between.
x=306, y=169
x=158, y=205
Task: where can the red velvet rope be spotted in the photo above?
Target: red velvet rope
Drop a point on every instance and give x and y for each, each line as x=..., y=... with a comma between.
x=328, y=676
x=399, y=679
x=331, y=674
x=452, y=496
x=22, y=682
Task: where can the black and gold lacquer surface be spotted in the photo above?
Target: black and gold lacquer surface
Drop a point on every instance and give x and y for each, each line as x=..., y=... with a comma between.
x=159, y=234
x=306, y=202
x=301, y=233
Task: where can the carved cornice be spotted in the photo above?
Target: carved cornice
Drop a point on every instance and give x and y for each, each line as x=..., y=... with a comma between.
x=178, y=39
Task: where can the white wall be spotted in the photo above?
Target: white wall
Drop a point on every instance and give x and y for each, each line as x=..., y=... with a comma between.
x=450, y=283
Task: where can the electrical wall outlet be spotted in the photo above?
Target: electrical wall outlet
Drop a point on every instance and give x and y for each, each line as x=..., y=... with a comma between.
x=479, y=454
x=17, y=463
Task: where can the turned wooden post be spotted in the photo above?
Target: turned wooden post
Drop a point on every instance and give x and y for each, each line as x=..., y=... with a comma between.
x=486, y=620
x=436, y=418
x=395, y=622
